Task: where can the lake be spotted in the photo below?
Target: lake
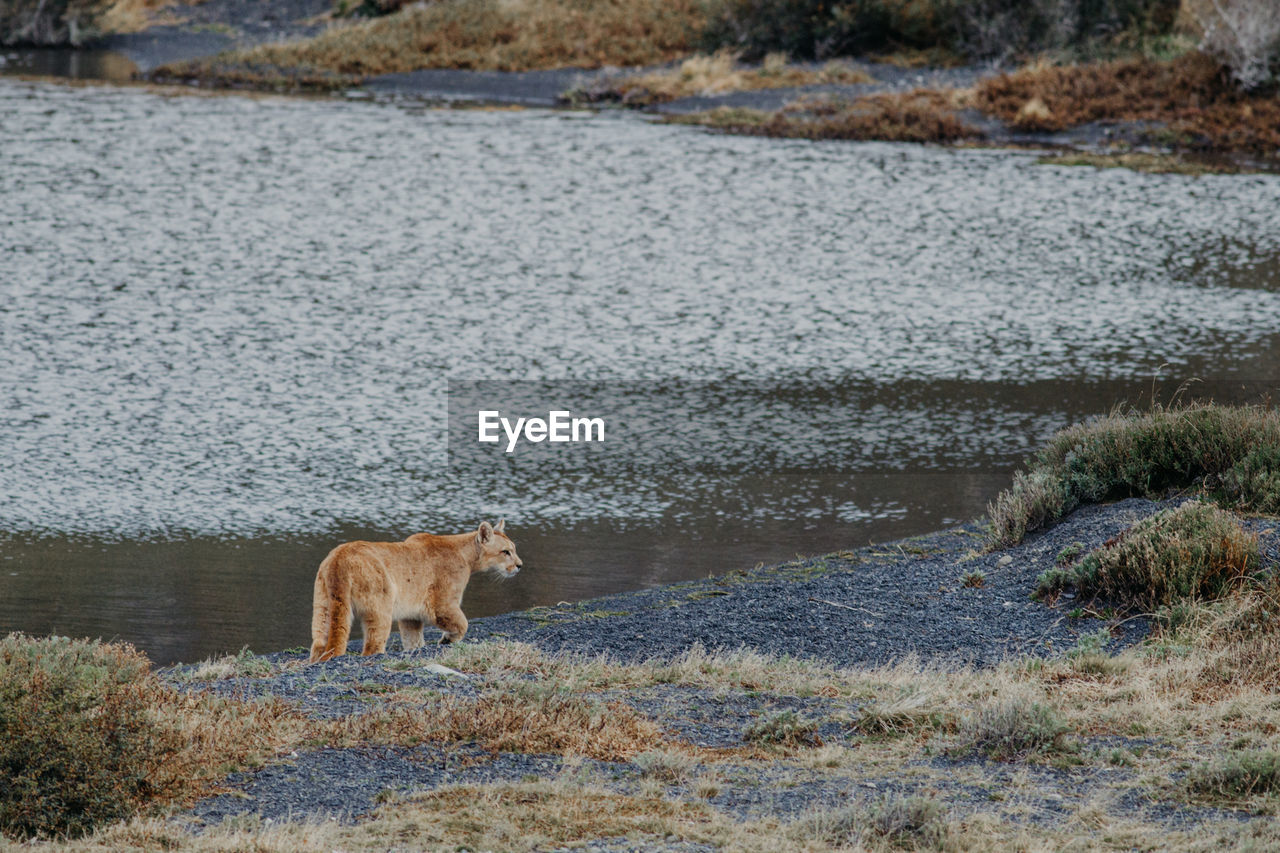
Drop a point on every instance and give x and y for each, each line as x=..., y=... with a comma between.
x=232, y=328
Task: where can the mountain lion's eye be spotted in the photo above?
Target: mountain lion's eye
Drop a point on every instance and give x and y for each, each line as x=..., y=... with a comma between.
x=508, y=553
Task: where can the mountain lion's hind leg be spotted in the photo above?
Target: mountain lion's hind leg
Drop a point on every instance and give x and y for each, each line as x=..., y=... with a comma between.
x=411, y=634
x=376, y=631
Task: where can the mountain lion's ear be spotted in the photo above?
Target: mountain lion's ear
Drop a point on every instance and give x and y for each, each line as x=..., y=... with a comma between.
x=498, y=528
x=485, y=532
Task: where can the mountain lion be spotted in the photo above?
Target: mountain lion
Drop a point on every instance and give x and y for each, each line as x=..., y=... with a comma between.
x=414, y=582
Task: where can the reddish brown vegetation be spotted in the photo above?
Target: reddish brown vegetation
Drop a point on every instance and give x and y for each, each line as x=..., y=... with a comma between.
x=1193, y=96
x=919, y=116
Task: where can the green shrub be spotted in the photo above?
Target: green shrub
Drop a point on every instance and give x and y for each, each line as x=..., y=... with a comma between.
x=79, y=745
x=1014, y=729
x=1231, y=453
x=1069, y=554
x=1090, y=657
x=1193, y=551
x=1237, y=775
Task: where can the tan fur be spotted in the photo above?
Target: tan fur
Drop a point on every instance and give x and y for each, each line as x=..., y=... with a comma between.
x=416, y=582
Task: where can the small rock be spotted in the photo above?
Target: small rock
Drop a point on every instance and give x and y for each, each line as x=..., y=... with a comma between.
x=1004, y=561
x=441, y=669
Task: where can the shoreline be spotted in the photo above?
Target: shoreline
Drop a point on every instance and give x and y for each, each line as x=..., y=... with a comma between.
x=894, y=613
x=186, y=57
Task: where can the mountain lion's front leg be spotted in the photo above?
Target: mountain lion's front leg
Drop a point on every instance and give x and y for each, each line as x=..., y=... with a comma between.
x=453, y=623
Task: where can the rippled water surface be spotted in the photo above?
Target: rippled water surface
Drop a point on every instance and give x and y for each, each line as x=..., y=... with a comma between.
x=229, y=324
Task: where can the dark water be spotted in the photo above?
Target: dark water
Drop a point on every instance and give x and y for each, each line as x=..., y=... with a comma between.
x=230, y=324
x=77, y=64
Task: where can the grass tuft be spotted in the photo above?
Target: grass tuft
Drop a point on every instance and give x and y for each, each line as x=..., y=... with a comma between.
x=1193, y=551
x=1150, y=163
x=911, y=712
x=1236, y=776
x=786, y=728
x=243, y=664
x=908, y=821
x=718, y=73
x=918, y=116
x=666, y=766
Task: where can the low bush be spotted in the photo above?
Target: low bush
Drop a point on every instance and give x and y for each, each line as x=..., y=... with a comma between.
x=919, y=116
x=61, y=22
x=815, y=29
x=1243, y=34
x=1231, y=453
x=908, y=820
x=979, y=29
x=1193, y=551
x=1237, y=775
x=1192, y=97
x=70, y=22
x=1011, y=730
x=80, y=743
x=90, y=735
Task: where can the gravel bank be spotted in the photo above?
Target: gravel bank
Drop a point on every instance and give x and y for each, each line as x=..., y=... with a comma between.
x=864, y=607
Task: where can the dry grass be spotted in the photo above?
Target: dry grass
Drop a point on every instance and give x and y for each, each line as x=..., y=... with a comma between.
x=518, y=717
x=131, y=16
x=1203, y=695
x=222, y=735
x=721, y=72
x=494, y=35
x=503, y=816
x=743, y=669
x=1192, y=96
x=1151, y=163
x=918, y=116
x=243, y=664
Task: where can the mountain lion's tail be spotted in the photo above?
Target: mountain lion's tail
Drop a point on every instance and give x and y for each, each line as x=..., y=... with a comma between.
x=330, y=612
